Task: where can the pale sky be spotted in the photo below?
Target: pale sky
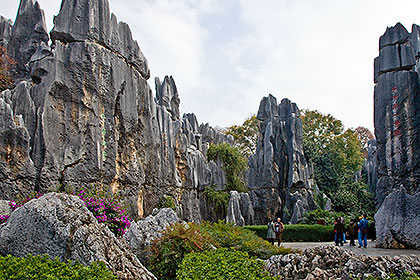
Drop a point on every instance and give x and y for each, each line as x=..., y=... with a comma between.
x=225, y=55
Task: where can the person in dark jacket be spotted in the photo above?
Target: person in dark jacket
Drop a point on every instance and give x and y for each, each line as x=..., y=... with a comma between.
x=372, y=231
x=352, y=231
x=363, y=227
x=339, y=229
x=279, y=228
x=271, y=235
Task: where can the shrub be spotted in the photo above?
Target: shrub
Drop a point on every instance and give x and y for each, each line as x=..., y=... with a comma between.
x=41, y=267
x=234, y=164
x=219, y=198
x=226, y=235
x=18, y=203
x=305, y=233
x=221, y=264
x=169, y=250
x=167, y=201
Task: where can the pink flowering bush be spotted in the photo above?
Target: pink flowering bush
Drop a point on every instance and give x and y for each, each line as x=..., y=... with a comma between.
x=107, y=209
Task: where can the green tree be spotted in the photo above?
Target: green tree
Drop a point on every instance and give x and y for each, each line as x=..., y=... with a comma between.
x=245, y=135
x=337, y=154
x=6, y=63
x=364, y=135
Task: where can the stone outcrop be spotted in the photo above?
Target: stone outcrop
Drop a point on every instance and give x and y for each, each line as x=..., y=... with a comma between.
x=5, y=30
x=61, y=226
x=5, y=209
x=331, y=262
x=371, y=166
x=83, y=113
x=141, y=233
x=240, y=211
x=279, y=178
x=397, y=119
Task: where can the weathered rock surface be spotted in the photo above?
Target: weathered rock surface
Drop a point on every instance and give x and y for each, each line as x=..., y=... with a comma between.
x=88, y=116
x=400, y=213
x=331, y=262
x=397, y=119
x=141, y=233
x=61, y=226
x=5, y=207
x=240, y=210
x=371, y=166
x=279, y=178
x=5, y=30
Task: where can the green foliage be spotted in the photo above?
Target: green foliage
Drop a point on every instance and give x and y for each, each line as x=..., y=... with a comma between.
x=320, y=201
x=337, y=154
x=167, y=201
x=221, y=264
x=226, y=235
x=169, y=250
x=403, y=276
x=299, y=232
x=181, y=239
x=245, y=135
x=41, y=267
x=234, y=165
x=219, y=198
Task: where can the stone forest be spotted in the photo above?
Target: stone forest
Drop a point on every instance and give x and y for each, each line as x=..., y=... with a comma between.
x=80, y=127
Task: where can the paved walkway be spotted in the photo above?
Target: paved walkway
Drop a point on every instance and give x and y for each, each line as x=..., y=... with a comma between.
x=371, y=250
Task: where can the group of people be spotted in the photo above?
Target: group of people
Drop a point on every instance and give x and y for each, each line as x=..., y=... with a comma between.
x=356, y=229
x=275, y=229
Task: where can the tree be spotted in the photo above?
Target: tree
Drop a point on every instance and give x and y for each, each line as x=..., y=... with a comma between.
x=6, y=63
x=245, y=135
x=364, y=135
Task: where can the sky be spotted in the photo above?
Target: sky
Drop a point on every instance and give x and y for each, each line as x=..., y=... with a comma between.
x=226, y=55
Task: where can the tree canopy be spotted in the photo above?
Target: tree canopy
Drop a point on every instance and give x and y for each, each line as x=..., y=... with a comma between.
x=6, y=63
x=245, y=135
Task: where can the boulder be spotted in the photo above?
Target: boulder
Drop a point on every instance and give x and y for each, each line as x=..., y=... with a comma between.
x=397, y=221
x=397, y=118
x=141, y=233
x=61, y=226
x=240, y=211
x=279, y=177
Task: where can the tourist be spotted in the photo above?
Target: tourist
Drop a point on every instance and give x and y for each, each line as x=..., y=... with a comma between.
x=352, y=231
x=344, y=226
x=339, y=229
x=279, y=228
x=270, y=232
x=363, y=227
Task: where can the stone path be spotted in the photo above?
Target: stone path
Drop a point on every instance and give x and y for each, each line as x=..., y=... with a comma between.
x=371, y=250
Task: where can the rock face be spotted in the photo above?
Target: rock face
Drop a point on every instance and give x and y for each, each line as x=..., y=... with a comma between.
x=61, y=226
x=371, y=166
x=240, y=210
x=330, y=262
x=84, y=114
x=397, y=119
x=279, y=178
x=141, y=233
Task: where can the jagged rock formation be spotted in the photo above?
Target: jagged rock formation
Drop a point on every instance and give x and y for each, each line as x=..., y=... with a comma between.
x=88, y=115
x=61, y=226
x=141, y=233
x=240, y=210
x=331, y=262
x=371, y=166
x=397, y=119
x=5, y=30
x=279, y=178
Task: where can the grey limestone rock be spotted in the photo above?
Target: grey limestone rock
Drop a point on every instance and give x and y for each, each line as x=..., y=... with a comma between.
x=5, y=30
x=397, y=117
x=95, y=23
x=240, y=211
x=167, y=96
x=29, y=32
x=61, y=226
x=397, y=221
x=331, y=262
x=279, y=178
x=141, y=233
x=371, y=166
x=5, y=207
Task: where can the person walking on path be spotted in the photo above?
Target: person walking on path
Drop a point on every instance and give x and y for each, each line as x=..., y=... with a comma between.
x=363, y=228
x=339, y=229
x=278, y=228
x=270, y=232
x=352, y=232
